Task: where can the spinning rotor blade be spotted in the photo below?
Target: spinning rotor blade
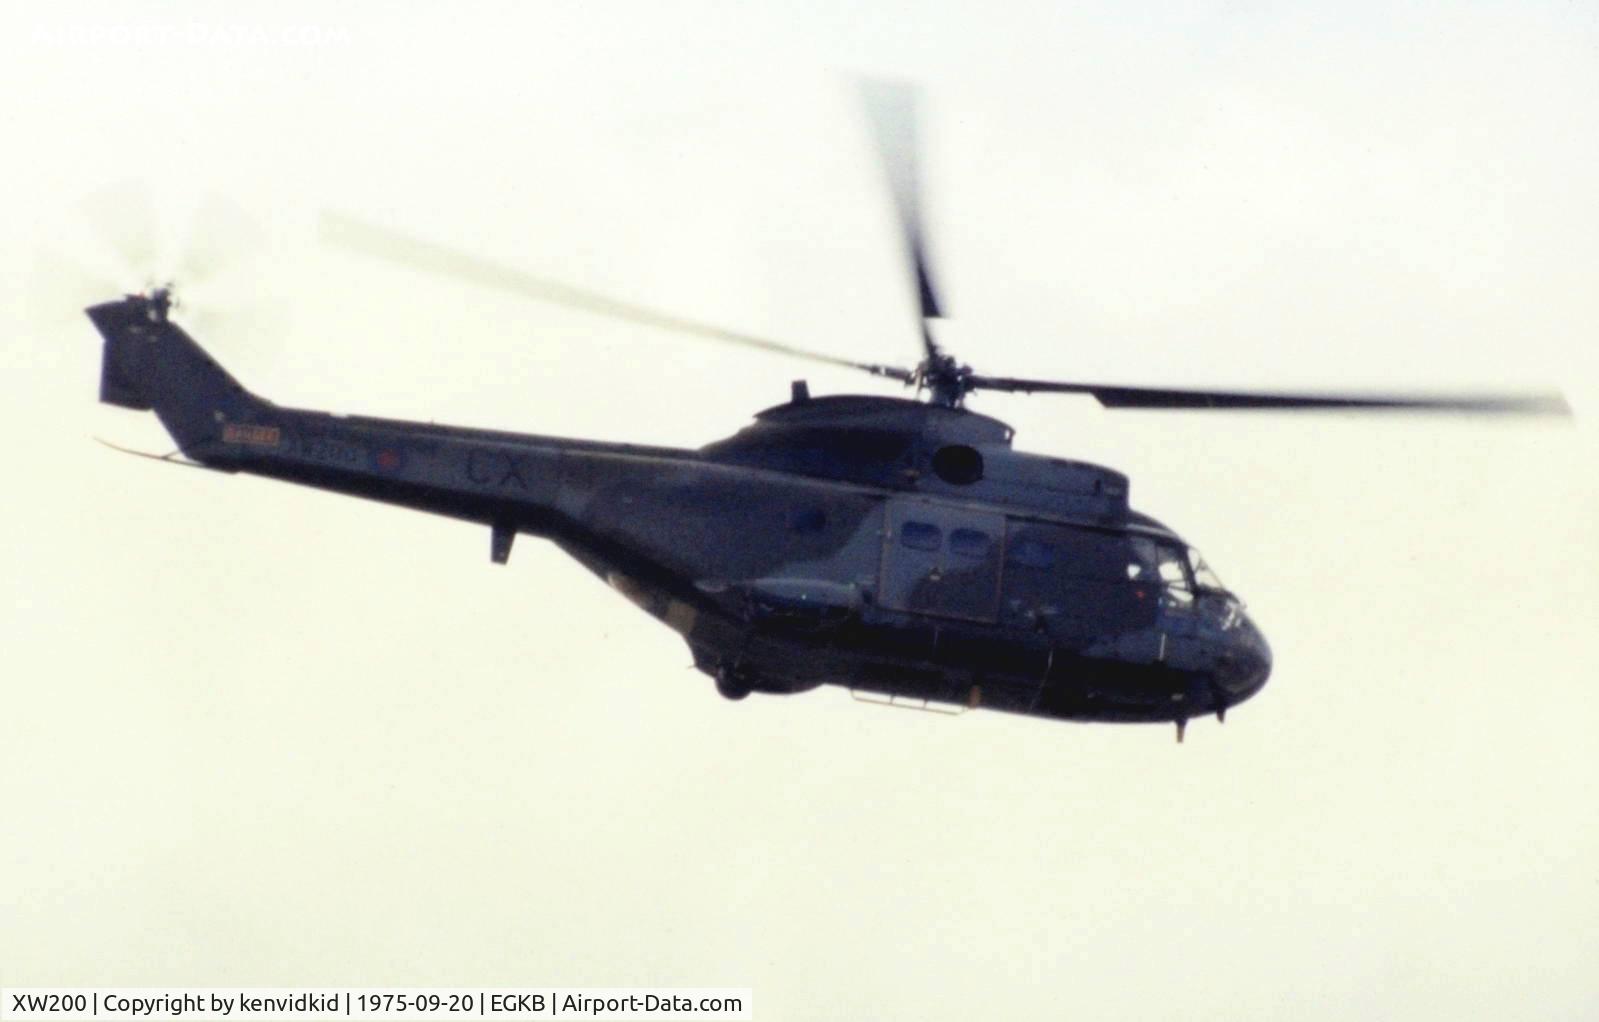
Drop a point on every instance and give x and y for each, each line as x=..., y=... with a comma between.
x=157, y=240
x=60, y=285
x=124, y=218
x=891, y=108
x=131, y=237
x=1161, y=398
x=369, y=239
x=220, y=235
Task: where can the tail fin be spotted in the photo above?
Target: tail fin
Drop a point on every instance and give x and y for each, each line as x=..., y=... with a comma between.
x=149, y=363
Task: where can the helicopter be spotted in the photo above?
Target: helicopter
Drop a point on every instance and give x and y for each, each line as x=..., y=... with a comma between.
x=896, y=546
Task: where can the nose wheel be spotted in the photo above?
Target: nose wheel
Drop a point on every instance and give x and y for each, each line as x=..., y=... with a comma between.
x=732, y=683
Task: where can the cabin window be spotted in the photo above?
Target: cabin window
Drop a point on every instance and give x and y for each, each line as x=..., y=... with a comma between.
x=969, y=543
x=1032, y=553
x=920, y=536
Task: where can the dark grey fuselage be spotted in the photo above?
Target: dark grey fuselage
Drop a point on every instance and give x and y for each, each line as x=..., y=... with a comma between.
x=890, y=546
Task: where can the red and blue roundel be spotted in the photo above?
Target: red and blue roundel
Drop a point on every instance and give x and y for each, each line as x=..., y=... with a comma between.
x=387, y=458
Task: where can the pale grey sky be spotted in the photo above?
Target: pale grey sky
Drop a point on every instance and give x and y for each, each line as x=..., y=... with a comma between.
x=256, y=735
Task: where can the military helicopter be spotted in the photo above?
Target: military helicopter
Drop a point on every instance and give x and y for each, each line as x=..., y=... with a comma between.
x=899, y=547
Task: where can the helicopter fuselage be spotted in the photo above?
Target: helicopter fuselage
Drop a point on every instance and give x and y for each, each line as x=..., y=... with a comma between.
x=901, y=549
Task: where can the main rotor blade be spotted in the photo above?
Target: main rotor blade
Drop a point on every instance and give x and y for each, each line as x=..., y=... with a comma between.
x=1163, y=398
x=370, y=239
x=891, y=108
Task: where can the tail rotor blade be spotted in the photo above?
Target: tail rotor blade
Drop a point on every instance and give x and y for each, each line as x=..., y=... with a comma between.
x=159, y=238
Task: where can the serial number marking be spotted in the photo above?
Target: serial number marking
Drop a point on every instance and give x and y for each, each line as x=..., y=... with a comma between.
x=257, y=436
x=330, y=451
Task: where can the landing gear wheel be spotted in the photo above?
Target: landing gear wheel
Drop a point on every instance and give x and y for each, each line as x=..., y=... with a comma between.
x=731, y=685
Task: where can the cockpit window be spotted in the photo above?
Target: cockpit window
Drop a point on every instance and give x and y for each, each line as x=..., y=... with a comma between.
x=1141, y=567
x=1203, y=576
x=1088, y=553
x=1176, y=590
x=1173, y=571
x=1164, y=565
x=1153, y=561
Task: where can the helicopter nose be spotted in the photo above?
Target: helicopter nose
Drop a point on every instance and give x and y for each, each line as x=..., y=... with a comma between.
x=1244, y=666
x=1253, y=657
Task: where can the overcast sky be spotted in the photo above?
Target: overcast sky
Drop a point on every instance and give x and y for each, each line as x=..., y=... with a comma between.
x=264, y=736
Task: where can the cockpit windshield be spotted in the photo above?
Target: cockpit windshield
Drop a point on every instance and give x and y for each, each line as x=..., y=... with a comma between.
x=1216, y=603
x=1163, y=565
x=1204, y=578
x=1182, y=575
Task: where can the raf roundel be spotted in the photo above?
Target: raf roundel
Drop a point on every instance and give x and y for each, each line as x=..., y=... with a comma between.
x=388, y=459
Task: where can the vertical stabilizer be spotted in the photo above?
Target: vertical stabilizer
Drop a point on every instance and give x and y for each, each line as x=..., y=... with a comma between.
x=149, y=363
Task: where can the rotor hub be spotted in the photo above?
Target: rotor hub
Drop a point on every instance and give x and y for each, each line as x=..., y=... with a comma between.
x=946, y=380
x=158, y=302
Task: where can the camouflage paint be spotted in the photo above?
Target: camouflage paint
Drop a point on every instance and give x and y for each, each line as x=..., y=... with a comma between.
x=886, y=545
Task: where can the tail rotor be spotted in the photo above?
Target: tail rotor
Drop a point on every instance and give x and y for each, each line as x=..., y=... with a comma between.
x=196, y=253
